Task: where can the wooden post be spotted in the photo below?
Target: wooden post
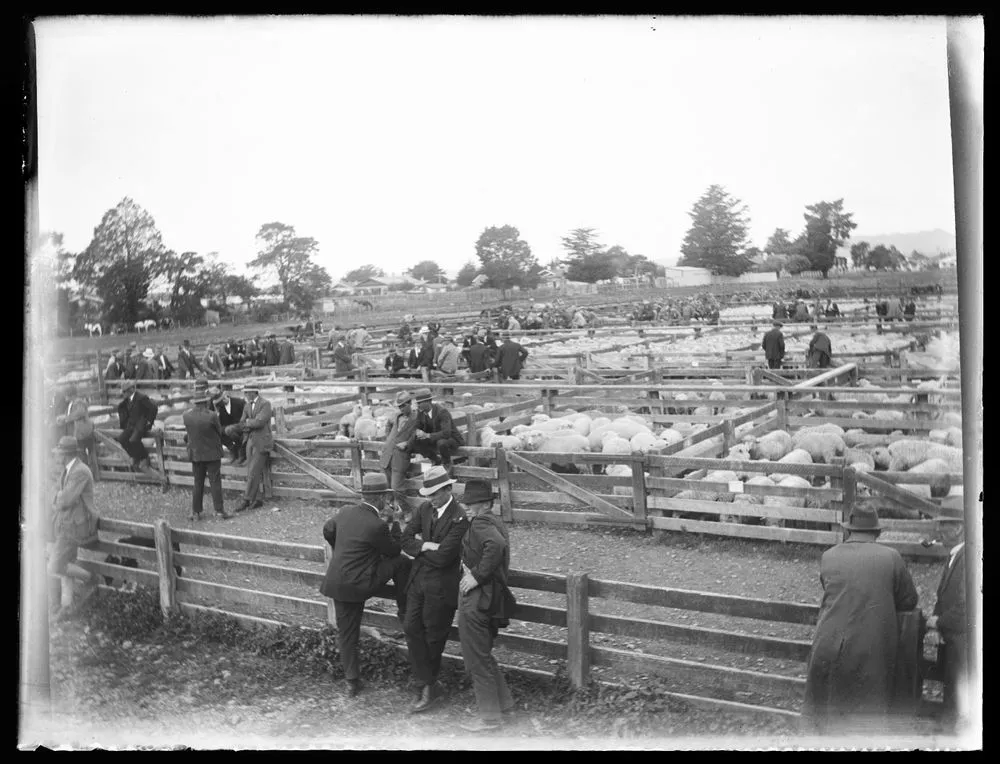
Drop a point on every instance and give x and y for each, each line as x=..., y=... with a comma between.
x=639, y=494
x=356, y=465
x=165, y=567
x=728, y=435
x=363, y=390
x=279, y=420
x=782, y=412
x=503, y=485
x=331, y=611
x=158, y=440
x=547, y=402
x=100, y=380
x=319, y=359
x=578, y=629
x=850, y=493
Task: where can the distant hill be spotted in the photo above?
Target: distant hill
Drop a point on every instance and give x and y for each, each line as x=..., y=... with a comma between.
x=934, y=242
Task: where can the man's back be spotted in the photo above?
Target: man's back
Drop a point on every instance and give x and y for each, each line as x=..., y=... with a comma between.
x=360, y=540
x=204, y=434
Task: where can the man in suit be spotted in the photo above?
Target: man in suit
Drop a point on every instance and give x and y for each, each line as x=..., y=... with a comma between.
x=852, y=664
x=394, y=362
x=204, y=447
x=74, y=521
x=820, y=352
x=186, y=361
x=479, y=359
x=147, y=367
x=77, y=422
x=255, y=351
x=114, y=369
x=433, y=538
x=272, y=354
x=425, y=355
x=485, y=604
x=230, y=411
x=773, y=346
x=510, y=358
x=949, y=619
x=435, y=437
x=342, y=360
x=366, y=555
x=136, y=414
x=213, y=362
x=131, y=361
x=286, y=355
x=165, y=368
x=256, y=423
x=395, y=456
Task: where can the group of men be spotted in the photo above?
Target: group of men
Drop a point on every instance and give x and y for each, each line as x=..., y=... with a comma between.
x=818, y=356
x=450, y=556
x=235, y=354
x=800, y=311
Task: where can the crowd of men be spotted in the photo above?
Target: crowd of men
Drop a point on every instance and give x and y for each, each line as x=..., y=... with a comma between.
x=233, y=354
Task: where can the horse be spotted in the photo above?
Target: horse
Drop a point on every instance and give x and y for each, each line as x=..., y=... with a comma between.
x=93, y=329
x=145, y=326
x=364, y=304
x=166, y=323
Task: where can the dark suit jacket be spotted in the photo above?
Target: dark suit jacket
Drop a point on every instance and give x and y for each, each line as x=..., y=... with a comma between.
x=286, y=353
x=166, y=368
x=425, y=356
x=187, y=363
x=204, y=434
x=272, y=354
x=479, y=359
x=441, y=569
x=773, y=345
x=360, y=540
x=342, y=357
x=950, y=605
x=510, y=358
x=114, y=370
x=439, y=425
x=400, y=431
x=137, y=416
x=234, y=415
x=394, y=363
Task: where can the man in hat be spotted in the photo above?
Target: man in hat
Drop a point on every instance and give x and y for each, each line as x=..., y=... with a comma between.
x=230, y=411
x=773, y=346
x=286, y=353
x=425, y=355
x=77, y=422
x=204, y=447
x=479, y=358
x=255, y=351
x=433, y=538
x=147, y=368
x=366, y=555
x=446, y=359
x=852, y=663
x=74, y=520
x=436, y=437
x=405, y=332
x=256, y=423
x=272, y=353
x=950, y=619
x=820, y=352
x=131, y=360
x=342, y=361
x=510, y=358
x=213, y=362
x=394, y=362
x=165, y=369
x=395, y=456
x=186, y=361
x=136, y=414
x=114, y=369
x=485, y=604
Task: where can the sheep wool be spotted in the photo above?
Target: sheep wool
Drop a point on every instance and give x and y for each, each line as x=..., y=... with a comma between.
x=821, y=446
x=772, y=446
x=938, y=489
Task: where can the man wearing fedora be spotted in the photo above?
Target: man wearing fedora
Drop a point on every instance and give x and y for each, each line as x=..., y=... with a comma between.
x=74, y=519
x=186, y=361
x=510, y=358
x=136, y=414
x=213, y=362
x=773, y=346
x=435, y=437
x=433, y=538
x=165, y=369
x=852, y=663
x=485, y=604
x=256, y=423
x=272, y=353
x=204, y=447
x=950, y=619
x=230, y=411
x=366, y=555
x=395, y=455
x=78, y=423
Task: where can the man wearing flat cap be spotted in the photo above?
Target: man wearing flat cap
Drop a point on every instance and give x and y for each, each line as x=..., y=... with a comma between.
x=852, y=663
x=433, y=538
x=395, y=456
x=256, y=424
x=436, y=437
x=366, y=555
x=136, y=414
x=204, y=447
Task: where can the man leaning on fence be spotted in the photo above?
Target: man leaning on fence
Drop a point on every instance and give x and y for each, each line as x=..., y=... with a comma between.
x=365, y=539
x=256, y=423
x=395, y=456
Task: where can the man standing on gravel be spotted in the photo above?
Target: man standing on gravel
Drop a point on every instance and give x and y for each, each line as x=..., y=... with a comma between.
x=773, y=346
x=256, y=424
x=366, y=555
x=204, y=447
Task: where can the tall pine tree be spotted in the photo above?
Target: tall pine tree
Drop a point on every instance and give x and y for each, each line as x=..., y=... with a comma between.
x=717, y=239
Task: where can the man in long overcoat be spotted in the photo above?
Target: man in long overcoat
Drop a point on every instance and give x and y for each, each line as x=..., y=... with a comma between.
x=852, y=663
x=256, y=424
x=949, y=618
x=395, y=456
x=820, y=352
x=510, y=358
x=773, y=345
x=204, y=447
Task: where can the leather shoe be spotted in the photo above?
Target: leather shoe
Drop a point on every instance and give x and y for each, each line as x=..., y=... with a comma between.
x=244, y=505
x=354, y=687
x=194, y=516
x=223, y=515
x=481, y=725
x=257, y=504
x=428, y=699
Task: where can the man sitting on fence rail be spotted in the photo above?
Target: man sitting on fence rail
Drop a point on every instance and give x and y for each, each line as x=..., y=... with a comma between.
x=256, y=423
x=136, y=414
x=436, y=437
x=366, y=555
x=114, y=369
x=230, y=411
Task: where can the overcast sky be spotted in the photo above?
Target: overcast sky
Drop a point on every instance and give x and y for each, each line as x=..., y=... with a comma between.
x=393, y=140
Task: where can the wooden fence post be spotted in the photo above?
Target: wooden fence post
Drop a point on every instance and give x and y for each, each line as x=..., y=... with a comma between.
x=782, y=411
x=100, y=380
x=363, y=390
x=639, y=494
x=279, y=420
x=165, y=567
x=503, y=484
x=850, y=493
x=158, y=440
x=356, y=465
x=578, y=629
x=728, y=435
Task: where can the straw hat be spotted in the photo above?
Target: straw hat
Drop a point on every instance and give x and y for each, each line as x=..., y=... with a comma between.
x=435, y=479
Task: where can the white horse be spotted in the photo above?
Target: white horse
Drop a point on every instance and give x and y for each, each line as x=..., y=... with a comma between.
x=145, y=326
x=93, y=329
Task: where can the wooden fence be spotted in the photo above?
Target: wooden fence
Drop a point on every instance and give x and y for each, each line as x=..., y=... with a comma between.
x=180, y=565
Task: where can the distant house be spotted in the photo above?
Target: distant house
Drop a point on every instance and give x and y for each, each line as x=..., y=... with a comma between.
x=372, y=286
x=342, y=287
x=686, y=275
x=479, y=281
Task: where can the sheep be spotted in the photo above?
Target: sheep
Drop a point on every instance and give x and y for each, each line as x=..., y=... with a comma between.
x=740, y=453
x=803, y=432
x=582, y=425
x=565, y=443
x=795, y=456
x=173, y=423
x=615, y=444
x=788, y=481
x=882, y=458
x=487, y=437
x=508, y=442
x=909, y=453
x=854, y=437
x=855, y=456
x=644, y=442
x=952, y=436
x=822, y=446
x=670, y=436
x=618, y=470
x=951, y=419
x=530, y=440
x=936, y=490
x=771, y=446
x=715, y=476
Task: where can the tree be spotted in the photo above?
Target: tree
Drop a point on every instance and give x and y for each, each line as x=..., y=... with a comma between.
x=177, y=272
x=466, y=274
x=587, y=261
x=883, y=258
x=427, y=270
x=717, y=239
x=363, y=272
x=288, y=256
x=119, y=261
x=310, y=285
x=506, y=259
x=797, y=263
x=859, y=254
x=591, y=269
x=581, y=243
x=775, y=263
x=827, y=228
x=779, y=243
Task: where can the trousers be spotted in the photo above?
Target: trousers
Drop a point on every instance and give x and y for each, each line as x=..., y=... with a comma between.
x=426, y=624
x=774, y=363
x=439, y=451
x=213, y=471
x=956, y=659
x=256, y=462
x=476, y=634
x=135, y=448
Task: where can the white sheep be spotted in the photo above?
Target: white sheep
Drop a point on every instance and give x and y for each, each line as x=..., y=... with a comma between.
x=740, y=453
x=487, y=437
x=173, y=423
x=618, y=470
x=789, y=481
x=855, y=456
x=803, y=432
x=530, y=439
x=670, y=436
x=795, y=456
x=582, y=425
x=907, y=453
x=568, y=442
x=365, y=427
x=882, y=457
x=613, y=443
x=822, y=446
x=854, y=437
x=937, y=490
x=644, y=442
x=771, y=446
x=508, y=442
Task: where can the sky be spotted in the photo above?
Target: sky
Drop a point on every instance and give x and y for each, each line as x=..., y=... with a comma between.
x=393, y=140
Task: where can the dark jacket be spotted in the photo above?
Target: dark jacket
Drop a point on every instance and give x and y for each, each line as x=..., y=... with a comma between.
x=114, y=370
x=233, y=416
x=258, y=424
x=147, y=369
x=486, y=553
x=286, y=355
x=950, y=605
x=137, y=416
x=187, y=363
x=774, y=345
x=394, y=362
x=439, y=425
x=479, y=358
x=425, y=356
x=510, y=359
x=820, y=351
x=272, y=354
x=342, y=357
x=400, y=431
x=440, y=569
x=166, y=369
x=360, y=540
x=204, y=434
x=412, y=359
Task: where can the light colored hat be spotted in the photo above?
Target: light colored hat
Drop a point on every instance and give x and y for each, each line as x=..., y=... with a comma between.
x=374, y=482
x=435, y=479
x=425, y=330
x=403, y=397
x=147, y=353
x=67, y=445
x=422, y=394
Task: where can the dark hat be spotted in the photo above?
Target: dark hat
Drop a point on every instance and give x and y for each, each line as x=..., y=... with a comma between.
x=777, y=323
x=435, y=479
x=67, y=445
x=403, y=397
x=477, y=491
x=863, y=519
x=375, y=482
x=187, y=343
x=201, y=385
x=422, y=394
x=127, y=385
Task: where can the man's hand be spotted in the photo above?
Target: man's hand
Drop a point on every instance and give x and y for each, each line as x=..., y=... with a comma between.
x=401, y=446
x=468, y=582
x=429, y=546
